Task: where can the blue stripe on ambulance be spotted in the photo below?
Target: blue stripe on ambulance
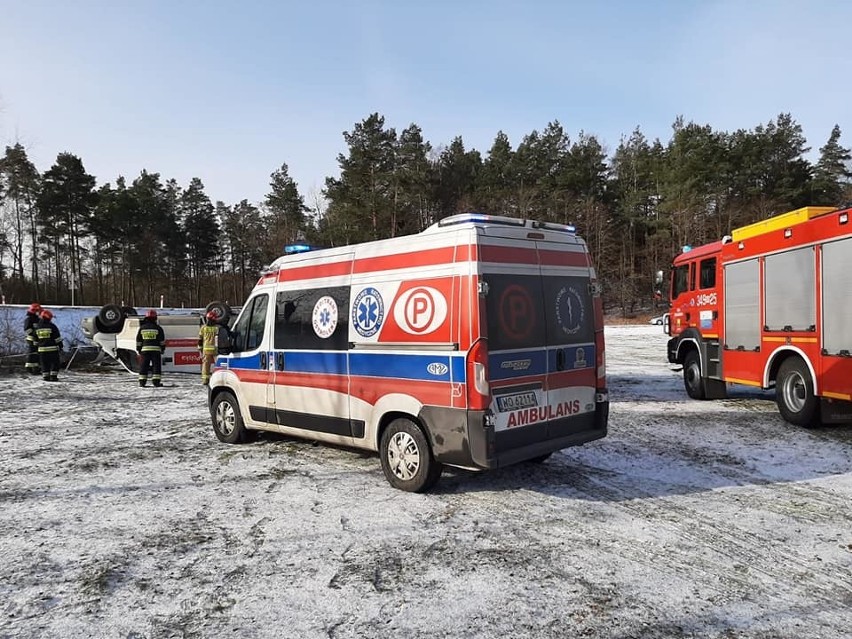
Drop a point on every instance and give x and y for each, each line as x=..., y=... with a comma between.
x=512, y=364
x=435, y=368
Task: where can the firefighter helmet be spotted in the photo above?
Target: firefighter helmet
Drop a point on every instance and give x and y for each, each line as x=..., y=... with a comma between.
x=151, y=314
x=211, y=315
x=35, y=307
x=46, y=315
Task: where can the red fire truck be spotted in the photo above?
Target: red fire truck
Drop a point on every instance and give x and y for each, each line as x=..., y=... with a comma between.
x=770, y=306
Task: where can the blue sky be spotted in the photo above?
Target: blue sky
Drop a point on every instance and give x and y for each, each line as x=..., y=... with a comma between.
x=227, y=91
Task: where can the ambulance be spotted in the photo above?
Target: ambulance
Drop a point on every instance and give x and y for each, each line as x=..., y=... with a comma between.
x=477, y=343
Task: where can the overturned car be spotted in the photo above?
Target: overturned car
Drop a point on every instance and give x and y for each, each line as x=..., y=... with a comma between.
x=114, y=330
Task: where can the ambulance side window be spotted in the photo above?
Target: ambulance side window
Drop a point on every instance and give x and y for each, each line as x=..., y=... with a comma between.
x=248, y=331
x=312, y=319
x=707, y=273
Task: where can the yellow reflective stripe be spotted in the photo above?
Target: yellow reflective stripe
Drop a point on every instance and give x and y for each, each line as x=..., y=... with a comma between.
x=746, y=382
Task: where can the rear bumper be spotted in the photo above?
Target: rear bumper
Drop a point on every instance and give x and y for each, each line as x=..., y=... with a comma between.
x=464, y=438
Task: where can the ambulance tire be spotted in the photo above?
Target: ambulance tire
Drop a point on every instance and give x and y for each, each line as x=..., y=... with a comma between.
x=221, y=310
x=692, y=380
x=406, y=457
x=228, y=420
x=794, y=393
x=111, y=318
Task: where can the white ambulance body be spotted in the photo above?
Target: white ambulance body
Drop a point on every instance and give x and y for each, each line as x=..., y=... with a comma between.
x=477, y=343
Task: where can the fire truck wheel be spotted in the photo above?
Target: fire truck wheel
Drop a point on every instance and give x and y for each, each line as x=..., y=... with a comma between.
x=406, y=458
x=692, y=380
x=228, y=421
x=794, y=393
x=111, y=318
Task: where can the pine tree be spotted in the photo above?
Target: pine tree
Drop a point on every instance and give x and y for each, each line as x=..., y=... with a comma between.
x=241, y=226
x=832, y=172
x=19, y=187
x=497, y=183
x=65, y=205
x=285, y=212
x=413, y=176
x=457, y=174
x=202, y=235
x=361, y=203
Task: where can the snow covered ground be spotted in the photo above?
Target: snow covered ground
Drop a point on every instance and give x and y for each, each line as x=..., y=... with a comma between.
x=123, y=516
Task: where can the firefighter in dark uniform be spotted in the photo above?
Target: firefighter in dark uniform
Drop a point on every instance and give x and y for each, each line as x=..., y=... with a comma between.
x=150, y=344
x=30, y=322
x=49, y=343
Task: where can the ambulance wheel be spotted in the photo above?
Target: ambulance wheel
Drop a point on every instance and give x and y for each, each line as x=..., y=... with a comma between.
x=794, y=393
x=111, y=318
x=692, y=380
x=228, y=421
x=406, y=458
x=221, y=310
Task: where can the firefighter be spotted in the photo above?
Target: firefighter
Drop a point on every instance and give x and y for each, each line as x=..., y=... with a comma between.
x=30, y=322
x=150, y=344
x=208, y=344
x=49, y=343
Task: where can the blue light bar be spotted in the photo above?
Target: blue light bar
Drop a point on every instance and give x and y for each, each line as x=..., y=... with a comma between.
x=291, y=249
x=463, y=218
x=552, y=226
x=686, y=248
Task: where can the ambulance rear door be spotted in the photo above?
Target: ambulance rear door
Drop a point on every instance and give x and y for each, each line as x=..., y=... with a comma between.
x=569, y=334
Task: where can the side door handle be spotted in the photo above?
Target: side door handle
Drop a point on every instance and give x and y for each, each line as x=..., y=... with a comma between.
x=279, y=361
x=560, y=359
x=263, y=360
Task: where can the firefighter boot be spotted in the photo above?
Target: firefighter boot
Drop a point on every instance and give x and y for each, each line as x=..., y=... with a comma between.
x=142, y=382
x=157, y=383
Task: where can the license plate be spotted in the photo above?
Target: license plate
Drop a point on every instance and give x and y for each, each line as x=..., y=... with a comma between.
x=506, y=403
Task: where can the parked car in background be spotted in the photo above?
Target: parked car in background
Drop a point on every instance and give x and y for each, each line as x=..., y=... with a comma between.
x=656, y=320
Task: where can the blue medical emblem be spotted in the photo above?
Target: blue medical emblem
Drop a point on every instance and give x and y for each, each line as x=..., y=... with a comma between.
x=368, y=312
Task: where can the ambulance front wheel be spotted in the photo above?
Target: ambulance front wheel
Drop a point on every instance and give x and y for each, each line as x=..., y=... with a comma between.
x=228, y=421
x=406, y=458
x=692, y=380
x=794, y=393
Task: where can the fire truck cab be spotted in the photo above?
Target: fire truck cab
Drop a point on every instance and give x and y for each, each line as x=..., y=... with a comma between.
x=770, y=306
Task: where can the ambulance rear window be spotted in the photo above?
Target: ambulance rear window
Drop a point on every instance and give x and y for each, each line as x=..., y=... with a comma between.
x=528, y=311
x=515, y=314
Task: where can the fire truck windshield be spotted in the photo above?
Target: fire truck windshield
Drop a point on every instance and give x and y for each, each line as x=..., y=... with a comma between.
x=680, y=280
